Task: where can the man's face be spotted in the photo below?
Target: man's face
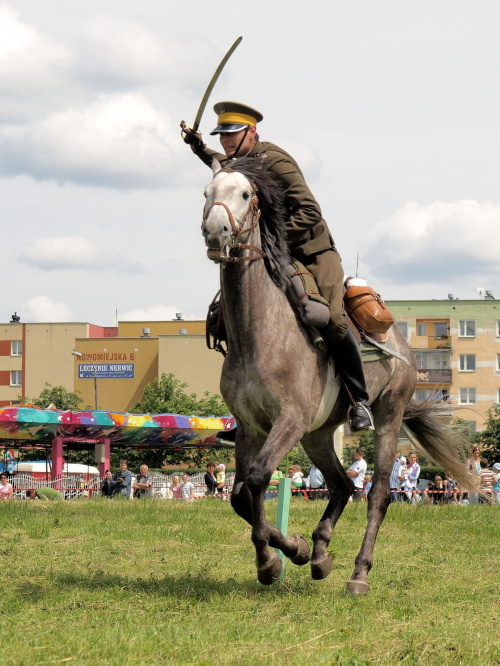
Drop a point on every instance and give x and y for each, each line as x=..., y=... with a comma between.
x=185, y=477
x=143, y=469
x=123, y=465
x=231, y=140
x=413, y=458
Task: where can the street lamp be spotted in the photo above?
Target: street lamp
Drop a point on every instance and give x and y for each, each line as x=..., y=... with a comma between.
x=80, y=355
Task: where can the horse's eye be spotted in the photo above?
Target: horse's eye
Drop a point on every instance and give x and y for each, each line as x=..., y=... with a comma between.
x=246, y=195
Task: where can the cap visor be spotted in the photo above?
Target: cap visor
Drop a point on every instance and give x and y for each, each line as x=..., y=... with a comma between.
x=234, y=127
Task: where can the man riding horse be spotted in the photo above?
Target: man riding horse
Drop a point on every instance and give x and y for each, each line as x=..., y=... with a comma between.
x=308, y=236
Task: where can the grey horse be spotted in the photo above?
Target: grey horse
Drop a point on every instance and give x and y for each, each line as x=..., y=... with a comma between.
x=273, y=380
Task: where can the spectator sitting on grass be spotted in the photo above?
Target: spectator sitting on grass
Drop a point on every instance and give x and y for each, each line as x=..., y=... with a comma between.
x=45, y=494
x=451, y=487
x=366, y=487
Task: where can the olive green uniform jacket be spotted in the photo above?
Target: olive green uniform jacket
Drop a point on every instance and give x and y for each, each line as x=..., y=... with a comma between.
x=308, y=235
x=307, y=232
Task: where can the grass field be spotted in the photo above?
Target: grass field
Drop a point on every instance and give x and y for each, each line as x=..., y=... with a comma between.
x=169, y=582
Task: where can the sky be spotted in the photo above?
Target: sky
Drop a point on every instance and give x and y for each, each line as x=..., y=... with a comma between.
x=390, y=108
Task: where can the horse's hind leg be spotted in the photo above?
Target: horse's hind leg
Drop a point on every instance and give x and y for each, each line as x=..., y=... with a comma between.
x=319, y=448
x=388, y=418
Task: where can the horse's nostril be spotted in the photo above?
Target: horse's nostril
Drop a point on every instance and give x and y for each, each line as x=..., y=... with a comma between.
x=226, y=228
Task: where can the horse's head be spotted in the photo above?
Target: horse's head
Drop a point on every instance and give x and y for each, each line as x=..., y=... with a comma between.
x=230, y=213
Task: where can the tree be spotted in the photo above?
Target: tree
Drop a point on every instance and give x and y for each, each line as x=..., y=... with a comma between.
x=58, y=396
x=489, y=438
x=365, y=441
x=166, y=395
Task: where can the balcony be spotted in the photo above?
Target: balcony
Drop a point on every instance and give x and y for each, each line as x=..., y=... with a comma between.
x=442, y=376
x=431, y=342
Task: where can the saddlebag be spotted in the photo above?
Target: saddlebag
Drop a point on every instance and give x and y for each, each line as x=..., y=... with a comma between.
x=367, y=308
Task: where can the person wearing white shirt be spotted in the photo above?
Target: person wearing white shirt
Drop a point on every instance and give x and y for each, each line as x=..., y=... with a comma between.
x=357, y=472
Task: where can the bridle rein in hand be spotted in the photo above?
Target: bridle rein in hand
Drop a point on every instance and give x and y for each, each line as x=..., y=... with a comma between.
x=239, y=229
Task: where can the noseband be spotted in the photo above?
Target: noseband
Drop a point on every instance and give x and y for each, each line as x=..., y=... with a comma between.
x=239, y=229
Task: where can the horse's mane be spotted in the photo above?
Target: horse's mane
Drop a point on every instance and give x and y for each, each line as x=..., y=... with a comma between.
x=273, y=215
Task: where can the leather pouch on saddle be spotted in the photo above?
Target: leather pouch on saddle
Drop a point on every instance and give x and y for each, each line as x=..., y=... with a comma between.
x=367, y=309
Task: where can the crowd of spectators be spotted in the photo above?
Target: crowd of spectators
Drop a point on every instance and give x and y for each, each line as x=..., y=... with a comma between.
x=403, y=483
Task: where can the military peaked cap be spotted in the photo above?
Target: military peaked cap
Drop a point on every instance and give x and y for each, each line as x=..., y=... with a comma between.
x=233, y=117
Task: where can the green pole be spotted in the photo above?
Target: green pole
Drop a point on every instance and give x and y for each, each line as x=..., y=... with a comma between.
x=284, y=493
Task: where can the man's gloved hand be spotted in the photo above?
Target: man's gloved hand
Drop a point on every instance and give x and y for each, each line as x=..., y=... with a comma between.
x=192, y=138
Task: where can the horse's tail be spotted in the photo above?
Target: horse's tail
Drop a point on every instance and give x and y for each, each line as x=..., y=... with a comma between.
x=425, y=427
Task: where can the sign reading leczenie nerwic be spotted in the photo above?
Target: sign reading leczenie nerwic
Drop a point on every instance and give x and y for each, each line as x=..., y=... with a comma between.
x=106, y=370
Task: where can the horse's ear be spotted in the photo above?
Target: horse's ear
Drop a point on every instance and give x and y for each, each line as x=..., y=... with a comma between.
x=216, y=167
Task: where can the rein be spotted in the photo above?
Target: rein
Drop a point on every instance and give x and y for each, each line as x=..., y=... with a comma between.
x=239, y=229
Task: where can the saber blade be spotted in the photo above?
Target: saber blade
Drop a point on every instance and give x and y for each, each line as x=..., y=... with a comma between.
x=212, y=83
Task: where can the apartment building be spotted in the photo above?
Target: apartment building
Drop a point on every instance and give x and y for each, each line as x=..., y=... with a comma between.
x=456, y=344
x=457, y=347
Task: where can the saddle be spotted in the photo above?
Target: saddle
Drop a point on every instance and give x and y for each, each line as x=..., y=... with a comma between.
x=367, y=314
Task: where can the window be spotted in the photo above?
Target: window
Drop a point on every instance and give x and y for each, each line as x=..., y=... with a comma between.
x=441, y=329
x=15, y=378
x=421, y=329
x=498, y=396
x=432, y=360
x=439, y=395
x=422, y=395
x=467, y=328
x=498, y=328
x=467, y=396
x=498, y=363
x=17, y=348
x=403, y=325
x=467, y=363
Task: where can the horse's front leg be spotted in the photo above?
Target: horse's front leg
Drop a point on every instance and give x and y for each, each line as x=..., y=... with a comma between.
x=285, y=433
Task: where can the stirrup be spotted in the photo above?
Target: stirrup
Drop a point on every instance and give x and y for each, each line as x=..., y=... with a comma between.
x=361, y=419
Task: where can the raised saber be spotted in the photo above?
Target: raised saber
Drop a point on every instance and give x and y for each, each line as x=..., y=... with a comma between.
x=210, y=87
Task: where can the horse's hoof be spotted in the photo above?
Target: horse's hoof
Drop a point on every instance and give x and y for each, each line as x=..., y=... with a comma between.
x=357, y=587
x=269, y=574
x=303, y=552
x=320, y=570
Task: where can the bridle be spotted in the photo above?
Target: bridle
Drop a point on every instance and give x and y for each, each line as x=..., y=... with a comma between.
x=238, y=229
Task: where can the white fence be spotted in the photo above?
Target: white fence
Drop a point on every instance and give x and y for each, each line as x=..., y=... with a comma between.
x=72, y=487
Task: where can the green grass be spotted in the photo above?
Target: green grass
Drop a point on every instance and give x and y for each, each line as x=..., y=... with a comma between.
x=169, y=582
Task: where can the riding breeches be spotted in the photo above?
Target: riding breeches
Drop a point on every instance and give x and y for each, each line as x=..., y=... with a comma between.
x=327, y=270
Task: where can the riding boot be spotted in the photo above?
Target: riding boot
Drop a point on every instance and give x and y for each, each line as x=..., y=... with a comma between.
x=349, y=365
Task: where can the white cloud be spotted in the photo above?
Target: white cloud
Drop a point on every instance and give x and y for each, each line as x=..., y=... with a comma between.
x=153, y=313
x=43, y=308
x=33, y=68
x=120, y=141
x=72, y=253
x=436, y=241
x=118, y=53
